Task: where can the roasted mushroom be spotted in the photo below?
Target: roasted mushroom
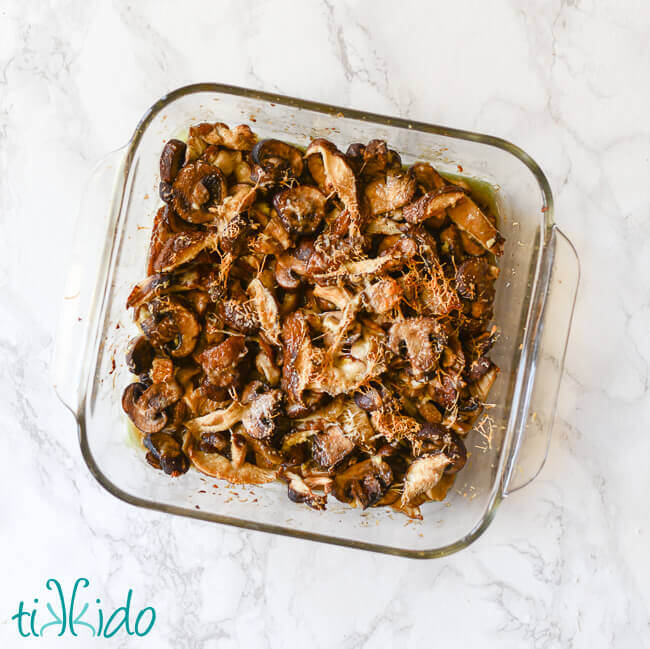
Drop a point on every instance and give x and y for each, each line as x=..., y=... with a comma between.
x=301, y=208
x=165, y=453
x=321, y=319
x=275, y=162
x=169, y=325
x=364, y=483
x=139, y=355
x=146, y=406
x=197, y=191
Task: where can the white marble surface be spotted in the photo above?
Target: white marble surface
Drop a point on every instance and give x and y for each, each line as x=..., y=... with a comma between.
x=566, y=562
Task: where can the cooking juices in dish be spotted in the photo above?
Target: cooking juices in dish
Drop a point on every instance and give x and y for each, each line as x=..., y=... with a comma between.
x=315, y=317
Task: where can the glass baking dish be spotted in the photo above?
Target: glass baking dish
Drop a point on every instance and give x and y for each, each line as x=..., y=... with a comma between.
x=534, y=304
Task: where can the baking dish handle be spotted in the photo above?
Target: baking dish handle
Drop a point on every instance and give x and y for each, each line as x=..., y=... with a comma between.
x=532, y=442
x=88, y=264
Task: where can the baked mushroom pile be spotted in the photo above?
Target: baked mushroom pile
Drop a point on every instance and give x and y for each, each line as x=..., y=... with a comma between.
x=317, y=317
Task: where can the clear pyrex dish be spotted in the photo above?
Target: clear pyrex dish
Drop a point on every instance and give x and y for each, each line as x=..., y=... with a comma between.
x=534, y=304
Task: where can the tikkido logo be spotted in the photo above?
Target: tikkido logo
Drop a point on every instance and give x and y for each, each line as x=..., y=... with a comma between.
x=74, y=616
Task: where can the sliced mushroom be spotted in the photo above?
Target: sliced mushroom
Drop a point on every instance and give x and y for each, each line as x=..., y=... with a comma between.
x=339, y=177
x=435, y=438
x=423, y=474
x=396, y=190
x=218, y=420
x=182, y=248
x=259, y=419
x=266, y=309
x=169, y=325
x=297, y=364
x=139, y=355
x=481, y=388
x=197, y=191
x=275, y=162
x=427, y=177
x=371, y=159
x=300, y=492
x=470, y=219
x=240, y=316
x=383, y=296
x=420, y=340
x=171, y=160
x=217, y=466
x=220, y=361
x=432, y=206
x=146, y=406
x=165, y=453
x=301, y=209
x=331, y=446
x=364, y=483
x=240, y=138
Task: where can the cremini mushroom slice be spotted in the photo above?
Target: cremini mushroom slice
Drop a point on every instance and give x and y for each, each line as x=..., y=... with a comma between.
x=183, y=248
x=165, y=453
x=390, y=193
x=197, y=191
x=146, y=406
x=470, y=219
x=139, y=355
x=301, y=209
x=275, y=161
x=318, y=318
x=169, y=325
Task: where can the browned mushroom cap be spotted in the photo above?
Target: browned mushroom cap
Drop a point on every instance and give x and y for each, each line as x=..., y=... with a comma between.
x=197, y=191
x=331, y=446
x=421, y=340
x=435, y=438
x=259, y=420
x=427, y=177
x=470, y=219
x=165, y=453
x=390, y=193
x=363, y=483
x=166, y=224
x=301, y=209
x=240, y=316
x=145, y=406
x=433, y=205
x=423, y=474
x=220, y=361
x=169, y=325
x=182, y=248
x=300, y=492
x=275, y=161
x=339, y=177
x=372, y=159
x=240, y=138
x=139, y=355
x=475, y=280
x=171, y=160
